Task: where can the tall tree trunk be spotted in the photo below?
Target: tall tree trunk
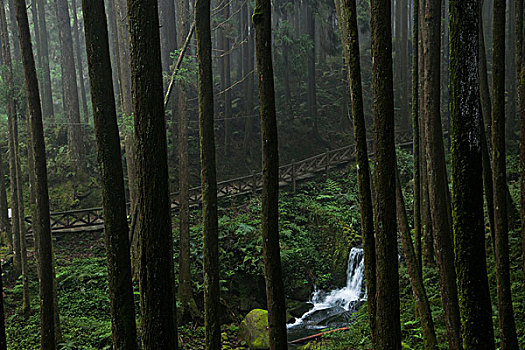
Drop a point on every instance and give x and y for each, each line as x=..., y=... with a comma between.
x=3, y=338
x=156, y=272
x=189, y=307
x=312, y=81
x=522, y=149
x=250, y=71
x=262, y=20
x=414, y=271
x=467, y=198
x=26, y=301
x=208, y=176
x=5, y=225
x=387, y=296
x=436, y=171
x=347, y=14
x=499, y=173
x=17, y=56
x=168, y=32
x=114, y=50
x=15, y=233
x=227, y=93
x=401, y=64
x=415, y=136
x=41, y=223
x=69, y=81
x=486, y=111
x=112, y=176
x=79, y=61
x=43, y=51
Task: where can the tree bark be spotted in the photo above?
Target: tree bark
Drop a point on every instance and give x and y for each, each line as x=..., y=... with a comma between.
x=522, y=149
x=156, y=272
x=467, y=191
x=347, y=13
x=436, y=171
x=507, y=325
x=112, y=176
x=41, y=219
x=208, y=177
x=387, y=296
x=262, y=20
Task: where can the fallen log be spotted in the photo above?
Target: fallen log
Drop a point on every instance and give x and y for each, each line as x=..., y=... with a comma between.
x=318, y=335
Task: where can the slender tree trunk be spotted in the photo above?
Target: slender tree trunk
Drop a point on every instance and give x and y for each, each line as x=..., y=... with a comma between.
x=208, y=177
x=168, y=32
x=189, y=307
x=415, y=136
x=436, y=172
x=522, y=149
x=312, y=81
x=387, y=296
x=79, y=62
x=3, y=338
x=11, y=119
x=41, y=221
x=505, y=311
x=249, y=83
x=416, y=277
x=112, y=176
x=47, y=91
x=17, y=56
x=486, y=110
x=156, y=275
x=19, y=197
x=262, y=20
x=69, y=80
x=5, y=225
x=467, y=199
x=347, y=13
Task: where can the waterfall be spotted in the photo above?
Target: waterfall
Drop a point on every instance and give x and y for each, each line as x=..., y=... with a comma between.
x=327, y=304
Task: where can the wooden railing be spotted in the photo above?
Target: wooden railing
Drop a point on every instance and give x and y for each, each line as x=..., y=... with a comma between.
x=289, y=175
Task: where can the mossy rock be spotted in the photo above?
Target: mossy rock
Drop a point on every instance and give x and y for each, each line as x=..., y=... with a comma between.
x=254, y=330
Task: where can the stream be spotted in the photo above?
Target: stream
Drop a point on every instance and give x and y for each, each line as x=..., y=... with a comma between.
x=333, y=309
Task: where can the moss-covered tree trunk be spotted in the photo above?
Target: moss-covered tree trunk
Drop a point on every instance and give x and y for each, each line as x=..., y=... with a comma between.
x=262, y=20
x=347, y=16
x=41, y=221
x=156, y=274
x=414, y=271
x=522, y=149
x=111, y=175
x=467, y=190
x=208, y=177
x=3, y=338
x=387, y=295
x=499, y=174
x=436, y=171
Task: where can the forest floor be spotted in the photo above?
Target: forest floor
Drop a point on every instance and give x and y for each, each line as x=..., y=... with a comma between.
x=318, y=225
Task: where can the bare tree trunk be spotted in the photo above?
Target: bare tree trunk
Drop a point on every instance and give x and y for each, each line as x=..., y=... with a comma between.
x=347, y=16
x=112, y=176
x=467, y=198
x=43, y=51
x=270, y=177
x=436, y=171
x=507, y=325
x=208, y=177
x=387, y=296
x=41, y=219
x=156, y=271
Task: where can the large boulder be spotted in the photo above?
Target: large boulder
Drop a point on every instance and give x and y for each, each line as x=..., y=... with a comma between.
x=254, y=330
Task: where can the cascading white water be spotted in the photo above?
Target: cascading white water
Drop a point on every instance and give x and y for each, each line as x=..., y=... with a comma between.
x=344, y=298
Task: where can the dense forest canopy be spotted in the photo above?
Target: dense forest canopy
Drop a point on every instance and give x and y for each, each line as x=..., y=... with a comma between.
x=234, y=174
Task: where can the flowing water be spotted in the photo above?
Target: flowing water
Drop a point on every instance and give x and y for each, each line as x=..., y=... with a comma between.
x=334, y=308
